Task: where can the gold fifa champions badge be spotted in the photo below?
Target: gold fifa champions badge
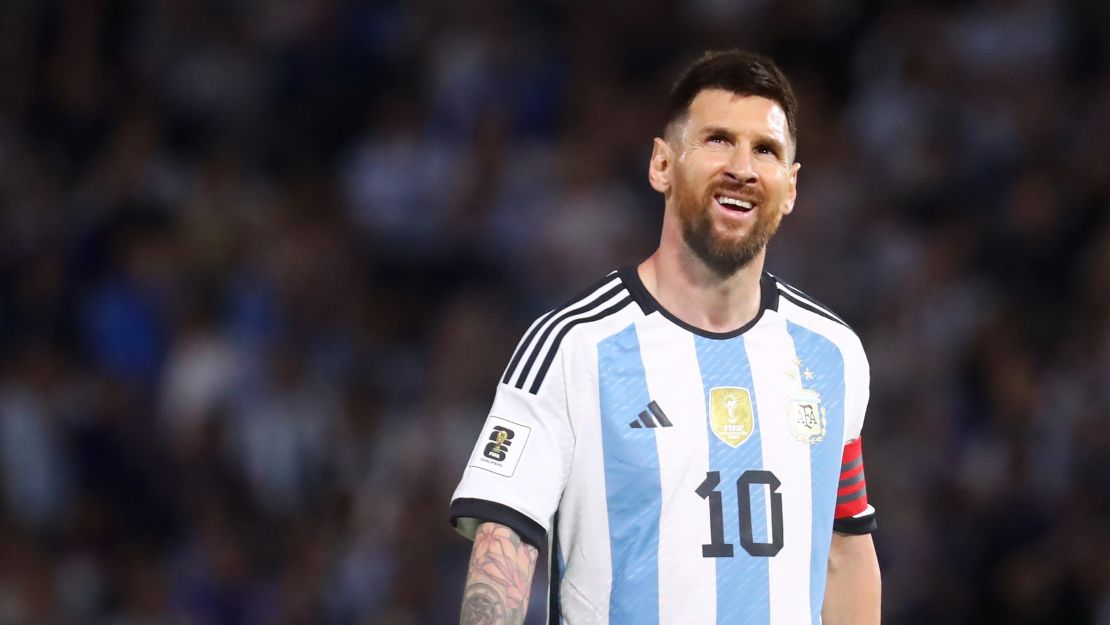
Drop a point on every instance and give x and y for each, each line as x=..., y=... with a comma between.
x=806, y=416
x=731, y=415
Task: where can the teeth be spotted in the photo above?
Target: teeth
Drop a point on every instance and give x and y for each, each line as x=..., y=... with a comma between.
x=734, y=202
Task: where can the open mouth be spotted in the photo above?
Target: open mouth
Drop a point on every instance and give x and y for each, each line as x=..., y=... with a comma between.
x=734, y=204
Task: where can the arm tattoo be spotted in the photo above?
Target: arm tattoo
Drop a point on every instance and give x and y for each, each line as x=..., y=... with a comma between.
x=499, y=579
x=482, y=605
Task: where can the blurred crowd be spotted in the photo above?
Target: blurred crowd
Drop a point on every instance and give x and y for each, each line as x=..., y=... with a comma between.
x=262, y=263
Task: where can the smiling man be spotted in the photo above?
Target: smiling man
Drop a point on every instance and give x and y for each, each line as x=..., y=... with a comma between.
x=685, y=435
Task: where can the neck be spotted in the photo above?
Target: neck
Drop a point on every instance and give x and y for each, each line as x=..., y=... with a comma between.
x=682, y=284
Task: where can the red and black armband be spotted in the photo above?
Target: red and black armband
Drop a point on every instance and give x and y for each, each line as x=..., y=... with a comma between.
x=853, y=514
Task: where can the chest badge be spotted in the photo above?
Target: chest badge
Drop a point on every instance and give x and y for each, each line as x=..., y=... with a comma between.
x=730, y=414
x=806, y=416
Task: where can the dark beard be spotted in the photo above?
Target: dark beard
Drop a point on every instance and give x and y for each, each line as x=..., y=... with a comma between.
x=725, y=258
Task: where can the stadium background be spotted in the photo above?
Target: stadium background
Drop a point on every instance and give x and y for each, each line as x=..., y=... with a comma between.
x=263, y=261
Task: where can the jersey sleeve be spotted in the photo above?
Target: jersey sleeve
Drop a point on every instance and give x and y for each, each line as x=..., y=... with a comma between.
x=520, y=463
x=854, y=514
x=857, y=380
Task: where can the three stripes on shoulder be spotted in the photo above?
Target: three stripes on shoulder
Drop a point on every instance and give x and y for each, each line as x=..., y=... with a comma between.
x=803, y=300
x=542, y=342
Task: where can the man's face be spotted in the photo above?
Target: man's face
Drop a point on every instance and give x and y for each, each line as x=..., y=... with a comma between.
x=733, y=177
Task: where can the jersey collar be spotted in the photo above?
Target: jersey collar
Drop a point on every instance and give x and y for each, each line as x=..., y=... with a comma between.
x=768, y=300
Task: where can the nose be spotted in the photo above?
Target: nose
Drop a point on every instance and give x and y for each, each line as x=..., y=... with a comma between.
x=740, y=166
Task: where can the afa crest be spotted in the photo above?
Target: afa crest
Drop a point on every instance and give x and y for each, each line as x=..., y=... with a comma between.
x=731, y=415
x=806, y=416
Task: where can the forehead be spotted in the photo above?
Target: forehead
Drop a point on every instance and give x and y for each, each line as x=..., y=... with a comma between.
x=717, y=107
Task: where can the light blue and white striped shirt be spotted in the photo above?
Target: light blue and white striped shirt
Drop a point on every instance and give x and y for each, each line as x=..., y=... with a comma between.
x=679, y=476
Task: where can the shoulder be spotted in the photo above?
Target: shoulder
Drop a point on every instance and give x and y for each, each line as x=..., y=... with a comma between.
x=797, y=299
x=600, y=306
x=802, y=309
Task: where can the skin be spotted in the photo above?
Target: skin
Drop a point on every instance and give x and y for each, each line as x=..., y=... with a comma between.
x=499, y=579
x=728, y=143
x=706, y=271
x=853, y=588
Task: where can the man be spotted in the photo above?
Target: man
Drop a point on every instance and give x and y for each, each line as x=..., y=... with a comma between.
x=684, y=435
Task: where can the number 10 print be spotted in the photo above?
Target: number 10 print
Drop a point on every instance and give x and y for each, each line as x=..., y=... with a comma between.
x=718, y=548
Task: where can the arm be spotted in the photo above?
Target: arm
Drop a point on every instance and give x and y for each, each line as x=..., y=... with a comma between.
x=499, y=579
x=853, y=590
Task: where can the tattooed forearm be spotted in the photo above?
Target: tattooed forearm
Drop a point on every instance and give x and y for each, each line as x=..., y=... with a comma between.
x=500, y=578
x=482, y=605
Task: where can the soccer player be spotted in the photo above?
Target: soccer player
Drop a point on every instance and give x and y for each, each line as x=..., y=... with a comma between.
x=684, y=435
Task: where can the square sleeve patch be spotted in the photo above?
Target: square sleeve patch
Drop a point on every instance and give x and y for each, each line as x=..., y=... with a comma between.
x=500, y=446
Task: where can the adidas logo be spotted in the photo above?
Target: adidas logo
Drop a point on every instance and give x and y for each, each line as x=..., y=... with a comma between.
x=646, y=421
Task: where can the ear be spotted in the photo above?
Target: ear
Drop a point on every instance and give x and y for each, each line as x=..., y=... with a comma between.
x=792, y=190
x=661, y=166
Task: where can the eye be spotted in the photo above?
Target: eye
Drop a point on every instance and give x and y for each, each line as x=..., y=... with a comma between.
x=717, y=138
x=764, y=148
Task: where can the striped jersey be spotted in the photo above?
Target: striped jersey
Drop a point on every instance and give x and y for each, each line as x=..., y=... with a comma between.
x=678, y=476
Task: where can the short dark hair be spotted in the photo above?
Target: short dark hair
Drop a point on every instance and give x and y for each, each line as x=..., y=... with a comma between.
x=737, y=71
